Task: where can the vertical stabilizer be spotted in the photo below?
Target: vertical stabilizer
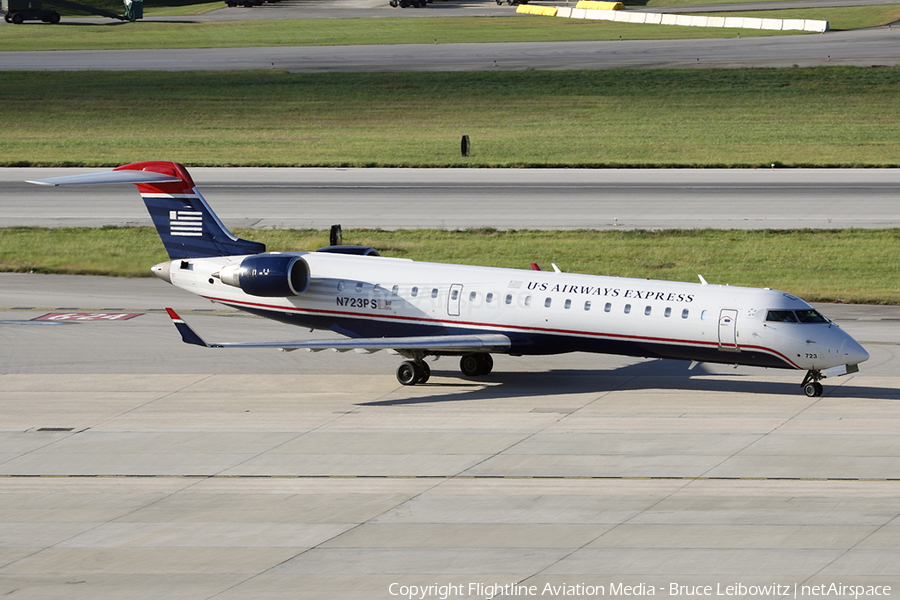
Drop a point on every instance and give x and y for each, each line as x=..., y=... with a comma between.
x=186, y=224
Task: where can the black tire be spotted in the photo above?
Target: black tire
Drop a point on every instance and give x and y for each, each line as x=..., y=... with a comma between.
x=425, y=372
x=54, y=18
x=487, y=364
x=7, y=17
x=470, y=365
x=408, y=373
x=811, y=389
x=17, y=19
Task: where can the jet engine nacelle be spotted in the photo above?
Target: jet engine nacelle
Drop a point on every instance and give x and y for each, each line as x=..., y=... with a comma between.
x=268, y=275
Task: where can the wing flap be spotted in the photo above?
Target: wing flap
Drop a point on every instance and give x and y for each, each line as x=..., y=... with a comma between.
x=481, y=342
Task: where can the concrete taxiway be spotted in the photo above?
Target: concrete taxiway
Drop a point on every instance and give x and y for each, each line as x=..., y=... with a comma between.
x=132, y=465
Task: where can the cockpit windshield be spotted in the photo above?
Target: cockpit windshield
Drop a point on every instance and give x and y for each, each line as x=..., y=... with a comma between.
x=795, y=316
x=810, y=316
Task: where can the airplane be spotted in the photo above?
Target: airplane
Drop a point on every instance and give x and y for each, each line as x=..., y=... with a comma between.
x=420, y=310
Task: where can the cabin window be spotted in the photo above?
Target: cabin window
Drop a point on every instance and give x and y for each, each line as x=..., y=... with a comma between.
x=704, y=315
x=378, y=288
x=489, y=298
x=414, y=292
x=608, y=307
x=509, y=298
x=627, y=309
x=685, y=313
x=359, y=286
x=568, y=304
x=453, y=295
x=548, y=302
x=527, y=300
x=395, y=290
x=434, y=293
x=340, y=286
x=472, y=297
x=648, y=310
x=668, y=312
x=587, y=305
x=781, y=316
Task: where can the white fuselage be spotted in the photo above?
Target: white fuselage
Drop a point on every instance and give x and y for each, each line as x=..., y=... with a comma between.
x=364, y=296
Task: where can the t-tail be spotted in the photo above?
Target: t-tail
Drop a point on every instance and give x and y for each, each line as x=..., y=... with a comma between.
x=186, y=224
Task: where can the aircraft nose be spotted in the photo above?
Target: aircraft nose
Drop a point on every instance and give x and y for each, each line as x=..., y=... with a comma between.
x=853, y=352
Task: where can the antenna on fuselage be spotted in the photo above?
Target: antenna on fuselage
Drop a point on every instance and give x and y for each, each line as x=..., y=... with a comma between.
x=703, y=281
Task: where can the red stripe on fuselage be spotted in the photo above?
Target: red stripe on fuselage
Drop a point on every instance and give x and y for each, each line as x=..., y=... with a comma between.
x=502, y=328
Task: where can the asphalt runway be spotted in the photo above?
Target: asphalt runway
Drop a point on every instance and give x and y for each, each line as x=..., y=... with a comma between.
x=500, y=198
x=133, y=465
x=866, y=47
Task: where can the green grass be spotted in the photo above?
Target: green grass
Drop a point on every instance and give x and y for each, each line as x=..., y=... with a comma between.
x=117, y=35
x=830, y=116
x=860, y=266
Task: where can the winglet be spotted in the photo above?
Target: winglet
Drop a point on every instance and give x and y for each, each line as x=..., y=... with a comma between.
x=188, y=336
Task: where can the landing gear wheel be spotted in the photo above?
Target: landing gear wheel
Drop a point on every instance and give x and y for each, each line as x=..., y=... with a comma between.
x=811, y=386
x=470, y=365
x=475, y=364
x=425, y=372
x=813, y=389
x=408, y=373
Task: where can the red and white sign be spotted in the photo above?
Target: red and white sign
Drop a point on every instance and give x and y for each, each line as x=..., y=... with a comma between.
x=87, y=316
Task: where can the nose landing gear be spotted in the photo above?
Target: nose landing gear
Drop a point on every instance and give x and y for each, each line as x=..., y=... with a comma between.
x=811, y=386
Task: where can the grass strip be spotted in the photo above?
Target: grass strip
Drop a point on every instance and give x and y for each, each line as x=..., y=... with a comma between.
x=847, y=265
x=828, y=116
x=339, y=32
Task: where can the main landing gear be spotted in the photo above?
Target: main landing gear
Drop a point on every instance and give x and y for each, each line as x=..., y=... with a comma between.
x=811, y=386
x=412, y=372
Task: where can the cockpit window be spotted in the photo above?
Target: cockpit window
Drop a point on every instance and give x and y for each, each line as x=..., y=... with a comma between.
x=810, y=316
x=793, y=316
x=781, y=316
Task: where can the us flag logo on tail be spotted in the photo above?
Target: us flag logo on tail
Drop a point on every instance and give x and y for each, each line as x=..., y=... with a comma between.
x=186, y=223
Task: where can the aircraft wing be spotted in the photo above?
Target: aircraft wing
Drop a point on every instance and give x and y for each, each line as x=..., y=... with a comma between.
x=483, y=342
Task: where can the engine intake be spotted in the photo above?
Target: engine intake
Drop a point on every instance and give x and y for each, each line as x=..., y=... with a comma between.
x=268, y=275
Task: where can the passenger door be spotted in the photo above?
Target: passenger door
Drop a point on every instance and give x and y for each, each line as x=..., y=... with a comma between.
x=728, y=330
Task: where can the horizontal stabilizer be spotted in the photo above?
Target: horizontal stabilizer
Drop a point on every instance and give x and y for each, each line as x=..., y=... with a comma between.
x=484, y=342
x=109, y=177
x=186, y=224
